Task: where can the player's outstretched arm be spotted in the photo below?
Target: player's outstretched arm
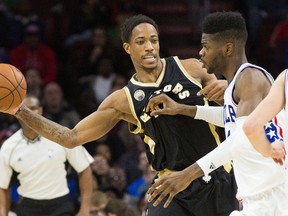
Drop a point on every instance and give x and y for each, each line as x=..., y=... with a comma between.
x=271, y=105
x=113, y=109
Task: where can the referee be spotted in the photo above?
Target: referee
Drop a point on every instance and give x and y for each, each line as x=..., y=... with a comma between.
x=40, y=164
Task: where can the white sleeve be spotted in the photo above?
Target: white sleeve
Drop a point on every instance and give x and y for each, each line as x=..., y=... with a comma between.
x=221, y=155
x=79, y=158
x=226, y=151
x=5, y=169
x=211, y=114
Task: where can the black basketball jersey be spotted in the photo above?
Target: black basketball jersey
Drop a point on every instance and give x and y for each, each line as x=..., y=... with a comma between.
x=173, y=142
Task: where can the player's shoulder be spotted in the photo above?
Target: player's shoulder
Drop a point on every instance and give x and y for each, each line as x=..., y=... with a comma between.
x=117, y=100
x=194, y=67
x=252, y=74
x=190, y=62
x=117, y=96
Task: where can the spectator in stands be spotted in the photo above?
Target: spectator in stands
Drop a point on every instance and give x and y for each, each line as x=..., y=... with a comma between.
x=33, y=53
x=117, y=207
x=129, y=160
x=99, y=201
x=34, y=82
x=142, y=184
x=56, y=108
x=104, y=149
x=89, y=14
x=95, y=48
x=100, y=169
x=22, y=13
x=117, y=179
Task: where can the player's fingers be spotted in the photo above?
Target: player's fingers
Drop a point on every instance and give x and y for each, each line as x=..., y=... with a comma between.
x=159, y=112
x=211, y=92
x=278, y=161
x=160, y=198
x=153, y=188
x=155, y=193
x=154, y=102
x=169, y=200
x=202, y=92
x=215, y=95
x=150, y=106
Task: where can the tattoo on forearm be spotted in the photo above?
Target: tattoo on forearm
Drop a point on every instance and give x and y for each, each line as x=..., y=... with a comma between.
x=47, y=128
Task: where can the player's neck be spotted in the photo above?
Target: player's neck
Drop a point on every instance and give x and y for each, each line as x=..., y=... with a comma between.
x=146, y=76
x=29, y=134
x=233, y=66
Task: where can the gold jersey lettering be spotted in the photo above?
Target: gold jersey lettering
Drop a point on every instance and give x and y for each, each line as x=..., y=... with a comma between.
x=177, y=89
x=184, y=94
x=167, y=88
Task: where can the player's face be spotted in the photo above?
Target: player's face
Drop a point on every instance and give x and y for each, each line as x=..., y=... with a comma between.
x=143, y=47
x=33, y=104
x=211, y=54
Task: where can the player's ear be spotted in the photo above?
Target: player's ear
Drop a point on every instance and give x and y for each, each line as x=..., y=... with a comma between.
x=229, y=48
x=126, y=47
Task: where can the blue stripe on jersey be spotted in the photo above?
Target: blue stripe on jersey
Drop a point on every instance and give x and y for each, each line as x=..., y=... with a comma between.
x=273, y=131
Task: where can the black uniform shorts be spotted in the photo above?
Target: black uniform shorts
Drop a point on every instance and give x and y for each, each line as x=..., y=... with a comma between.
x=214, y=198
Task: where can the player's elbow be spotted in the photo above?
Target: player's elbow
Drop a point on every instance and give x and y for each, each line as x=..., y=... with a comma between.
x=69, y=141
x=249, y=127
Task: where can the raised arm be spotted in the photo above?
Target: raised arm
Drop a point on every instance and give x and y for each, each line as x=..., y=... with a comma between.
x=265, y=111
x=113, y=109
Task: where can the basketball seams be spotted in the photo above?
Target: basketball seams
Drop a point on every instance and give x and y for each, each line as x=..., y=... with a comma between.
x=9, y=92
x=19, y=82
x=13, y=87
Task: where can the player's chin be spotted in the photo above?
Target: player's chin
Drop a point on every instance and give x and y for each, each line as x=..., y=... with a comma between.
x=150, y=66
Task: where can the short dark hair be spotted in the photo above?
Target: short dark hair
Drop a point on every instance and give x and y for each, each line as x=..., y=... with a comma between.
x=225, y=26
x=130, y=23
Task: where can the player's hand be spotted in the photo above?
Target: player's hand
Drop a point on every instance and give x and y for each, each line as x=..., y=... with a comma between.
x=278, y=152
x=214, y=91
x=168, y=185
x=162, y=105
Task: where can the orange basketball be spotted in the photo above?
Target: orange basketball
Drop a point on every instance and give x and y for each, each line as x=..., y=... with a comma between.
x=12, y=87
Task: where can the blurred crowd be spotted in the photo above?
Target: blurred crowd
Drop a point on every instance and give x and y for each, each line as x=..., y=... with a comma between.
x=71, y=55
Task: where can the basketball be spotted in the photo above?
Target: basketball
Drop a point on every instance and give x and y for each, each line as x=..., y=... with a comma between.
x=12, y=87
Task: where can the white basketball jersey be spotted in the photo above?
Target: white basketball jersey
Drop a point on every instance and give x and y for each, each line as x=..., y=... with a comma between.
x=230, y=105
x=286, y=112
x=254, y=173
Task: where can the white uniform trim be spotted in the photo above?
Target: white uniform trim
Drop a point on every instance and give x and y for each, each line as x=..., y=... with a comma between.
x=40, y=165
x=211, y=114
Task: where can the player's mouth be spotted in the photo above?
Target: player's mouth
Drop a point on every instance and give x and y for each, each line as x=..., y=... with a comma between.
x=149, y=58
